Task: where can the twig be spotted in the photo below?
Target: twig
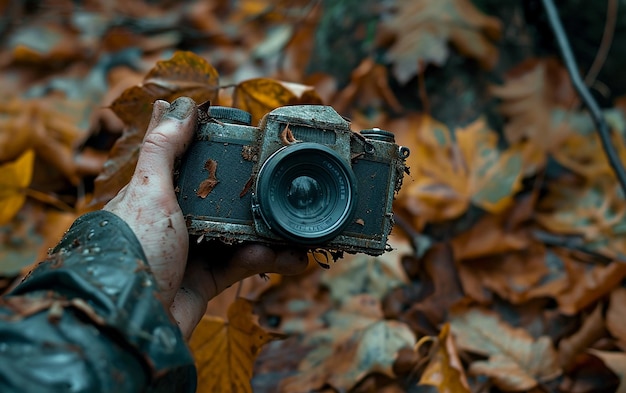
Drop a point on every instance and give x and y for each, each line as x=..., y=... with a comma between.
x=605, y=44
x=579, y=85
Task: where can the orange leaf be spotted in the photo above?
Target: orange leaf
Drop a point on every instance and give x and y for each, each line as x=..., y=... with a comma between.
x=14, y=178
x=225, y=350
x=444, y=370
x=516, y=361
x=185, y=74
x=447, y=176
x=261, y=95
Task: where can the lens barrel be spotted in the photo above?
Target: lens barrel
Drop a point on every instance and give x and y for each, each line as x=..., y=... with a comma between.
x=306, y=193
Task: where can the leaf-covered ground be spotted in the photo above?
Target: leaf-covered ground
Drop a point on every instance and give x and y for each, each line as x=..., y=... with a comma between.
x=510, y=249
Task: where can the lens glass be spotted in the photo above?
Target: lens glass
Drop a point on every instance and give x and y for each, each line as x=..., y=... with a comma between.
x=306, y=197
x=306, y=193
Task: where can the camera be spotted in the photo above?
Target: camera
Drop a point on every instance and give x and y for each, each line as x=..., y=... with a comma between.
x=302, y=177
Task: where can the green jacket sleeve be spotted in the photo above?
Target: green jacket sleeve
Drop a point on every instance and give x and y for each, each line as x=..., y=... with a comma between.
x=88, y=319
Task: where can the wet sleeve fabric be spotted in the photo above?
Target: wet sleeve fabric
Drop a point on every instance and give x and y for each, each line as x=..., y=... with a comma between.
x=88, y=319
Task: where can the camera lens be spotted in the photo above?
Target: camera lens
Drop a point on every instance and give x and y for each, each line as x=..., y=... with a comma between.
x=306, y=193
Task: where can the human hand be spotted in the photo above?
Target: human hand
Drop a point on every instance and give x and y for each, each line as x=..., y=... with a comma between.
x=148, y=204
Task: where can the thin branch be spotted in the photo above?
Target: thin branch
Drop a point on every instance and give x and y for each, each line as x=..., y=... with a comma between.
x=605, y=44
x=587, y=98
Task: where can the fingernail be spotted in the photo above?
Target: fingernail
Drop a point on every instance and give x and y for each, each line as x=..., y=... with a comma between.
x=181, y=108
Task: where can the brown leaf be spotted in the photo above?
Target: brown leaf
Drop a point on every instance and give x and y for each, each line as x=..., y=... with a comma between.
x=225, y=350
x=207, y=185
x=368, y=88
x=591, y=331
x=587, y=284
x=616, y=314
x=444, y=370
x=516, y=361
x=616, y=362
x=261, y=95
x=185, y=74
x=286, y=136
x=423, y=29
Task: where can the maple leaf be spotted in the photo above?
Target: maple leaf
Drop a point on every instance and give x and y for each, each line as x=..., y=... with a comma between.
x=423, y=29
x=447, y=175
x=516, y=361
x=261, y=95
x=224, y=351
x=531, y=91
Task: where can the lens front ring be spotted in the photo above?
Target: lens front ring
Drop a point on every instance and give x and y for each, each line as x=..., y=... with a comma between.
x=306, y=193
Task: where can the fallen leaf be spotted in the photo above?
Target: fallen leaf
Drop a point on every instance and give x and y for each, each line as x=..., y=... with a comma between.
x=357, y=274
x=616, y=314
x=616, y=362
x=261, y=95
x=447, y=174
x=423, y=29
x=516, y=361
x=14, y=178
x=185, y=74
x=444, y=370
x=342, y=364
x=225, y=351
x=591, y=331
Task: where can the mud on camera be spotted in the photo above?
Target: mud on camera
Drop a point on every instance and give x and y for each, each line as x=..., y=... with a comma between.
x=301, y=177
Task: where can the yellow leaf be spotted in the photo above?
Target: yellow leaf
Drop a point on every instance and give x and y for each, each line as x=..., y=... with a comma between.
x=14, y=178
x=444, y=371
x=261, y=95
x=225, y=350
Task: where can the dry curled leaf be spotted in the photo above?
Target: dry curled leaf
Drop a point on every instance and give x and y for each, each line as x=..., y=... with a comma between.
x=207, y=185
x=444, y=369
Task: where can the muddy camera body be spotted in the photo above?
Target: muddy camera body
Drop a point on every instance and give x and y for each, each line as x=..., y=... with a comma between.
x=302, y=177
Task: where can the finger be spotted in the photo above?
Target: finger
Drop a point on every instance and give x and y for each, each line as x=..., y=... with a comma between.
x=167, y=137
x=158, y=110
x=204, y=280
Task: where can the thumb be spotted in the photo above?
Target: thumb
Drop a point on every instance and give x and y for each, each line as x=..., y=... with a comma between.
x=167, y=138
